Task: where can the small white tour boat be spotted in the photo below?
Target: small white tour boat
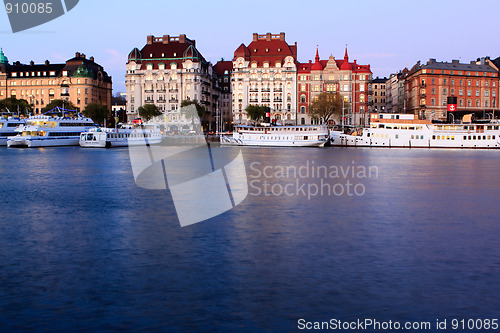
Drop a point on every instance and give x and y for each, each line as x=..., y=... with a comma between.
x=278, y=136
x=8, y=128
x=406, y=130
x=126, y=135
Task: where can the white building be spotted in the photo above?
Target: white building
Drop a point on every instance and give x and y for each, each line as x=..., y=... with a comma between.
x=265, y=73
x=166, y=71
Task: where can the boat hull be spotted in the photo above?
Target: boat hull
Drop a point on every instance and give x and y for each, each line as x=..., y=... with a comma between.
x=32, y=142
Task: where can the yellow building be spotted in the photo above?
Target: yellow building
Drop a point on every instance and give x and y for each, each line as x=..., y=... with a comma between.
x=79, y=80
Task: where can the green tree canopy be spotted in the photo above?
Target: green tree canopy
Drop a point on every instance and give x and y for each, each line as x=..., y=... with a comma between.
x=96, y=112
x=326, y=105
x=148, y=111
x=256, y=112
x=59, y=103
x=12, y=104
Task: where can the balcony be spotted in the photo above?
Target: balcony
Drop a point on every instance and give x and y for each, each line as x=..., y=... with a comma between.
x=173, y=100
x=423, y=106
x=205, y=102
x=266, y=100
x=161, y=90
x=254, y=100
x=278, y=89
x=266, y=89
x=422, y=84
x=278, y=100
x=161, y=101
x=204, y=92
x=173, y=90
x=149, y=101
x=148, y=90
x=254, y=90
x=423, y=95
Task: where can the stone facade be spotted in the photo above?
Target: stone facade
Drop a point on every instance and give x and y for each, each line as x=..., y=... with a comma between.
x=265, y=73
x=350, y=79
x=80, y=80
x=166, y=71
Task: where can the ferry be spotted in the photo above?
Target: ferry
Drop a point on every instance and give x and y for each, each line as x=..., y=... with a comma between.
x=407, y=131
x=8, y=128
x=49, y=131
x=278, y=136
x=126, y=135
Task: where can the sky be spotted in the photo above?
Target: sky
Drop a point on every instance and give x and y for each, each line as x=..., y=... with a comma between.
x=387, y=34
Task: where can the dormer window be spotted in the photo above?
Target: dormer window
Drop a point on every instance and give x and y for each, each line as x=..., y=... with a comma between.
x=151, y=55
x=279, y=50
x=255, y=50
x=175, y=54
x=267, y=50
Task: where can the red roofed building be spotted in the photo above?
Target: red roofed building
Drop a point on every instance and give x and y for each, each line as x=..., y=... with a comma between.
x=264, y=73
x=350, y=79
x=166, y=71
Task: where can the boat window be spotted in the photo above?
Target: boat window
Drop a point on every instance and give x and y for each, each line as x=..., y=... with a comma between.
x=493, y=137
x=411, y=127
x=474, y=137
x=433, y=137
x=381, y=126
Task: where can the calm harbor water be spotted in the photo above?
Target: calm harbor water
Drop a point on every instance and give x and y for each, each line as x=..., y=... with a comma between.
x=82, y=248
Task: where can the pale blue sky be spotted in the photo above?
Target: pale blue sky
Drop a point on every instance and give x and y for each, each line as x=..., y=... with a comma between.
x=387, y=34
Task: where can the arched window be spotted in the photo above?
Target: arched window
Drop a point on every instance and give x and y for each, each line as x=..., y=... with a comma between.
x=303, y=98
x=254, y=64
x=173, y=65
x=362, y=98
x=302, y=109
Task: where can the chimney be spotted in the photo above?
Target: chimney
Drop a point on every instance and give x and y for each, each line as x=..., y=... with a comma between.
x=454, y=61
x=32, y=63
x=77, y=54
x=268, y=37
x=255, y=36
x=150, y=39
x=182, y=38
x=282, y=36
x=83, y=55
x=310, y=61
x=166, y=39
x=47, y=62
x=92, y=59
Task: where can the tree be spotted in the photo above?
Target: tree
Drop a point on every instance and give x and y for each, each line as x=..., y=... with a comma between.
x=96, y=112
x=256, y=112
x=59, y=103
x=149, y=111
x=326, y=105
x=12, y=104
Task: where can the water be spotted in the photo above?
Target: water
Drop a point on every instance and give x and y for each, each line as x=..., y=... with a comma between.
x=82, y=248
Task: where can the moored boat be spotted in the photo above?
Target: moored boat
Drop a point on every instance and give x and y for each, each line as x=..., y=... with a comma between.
x=406, y=130
x=49, y=131
x=278, y=136
x=8, y=128
x=126, y=135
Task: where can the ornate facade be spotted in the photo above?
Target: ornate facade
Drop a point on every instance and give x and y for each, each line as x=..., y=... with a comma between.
x=265, y=73
x=350, y=79
x=166, y=71
x=79, y=80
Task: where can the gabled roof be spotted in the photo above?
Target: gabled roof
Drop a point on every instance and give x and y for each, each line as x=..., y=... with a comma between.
x=270, y=48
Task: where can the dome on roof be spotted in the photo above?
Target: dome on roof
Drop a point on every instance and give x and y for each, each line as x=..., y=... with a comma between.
x=242, y=51
x=317, y=65
x=346, y=66
x=3, y=58
x=191, y=52
x=134, y=54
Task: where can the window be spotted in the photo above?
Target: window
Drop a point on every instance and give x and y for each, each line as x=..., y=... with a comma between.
x=303, y=99
x=302, y=109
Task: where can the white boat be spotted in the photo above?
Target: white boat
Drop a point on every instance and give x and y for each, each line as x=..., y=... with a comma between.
x=279, y=136
x=126, y=135
x=48, y=131
x=406, y=130
x=8, y=128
